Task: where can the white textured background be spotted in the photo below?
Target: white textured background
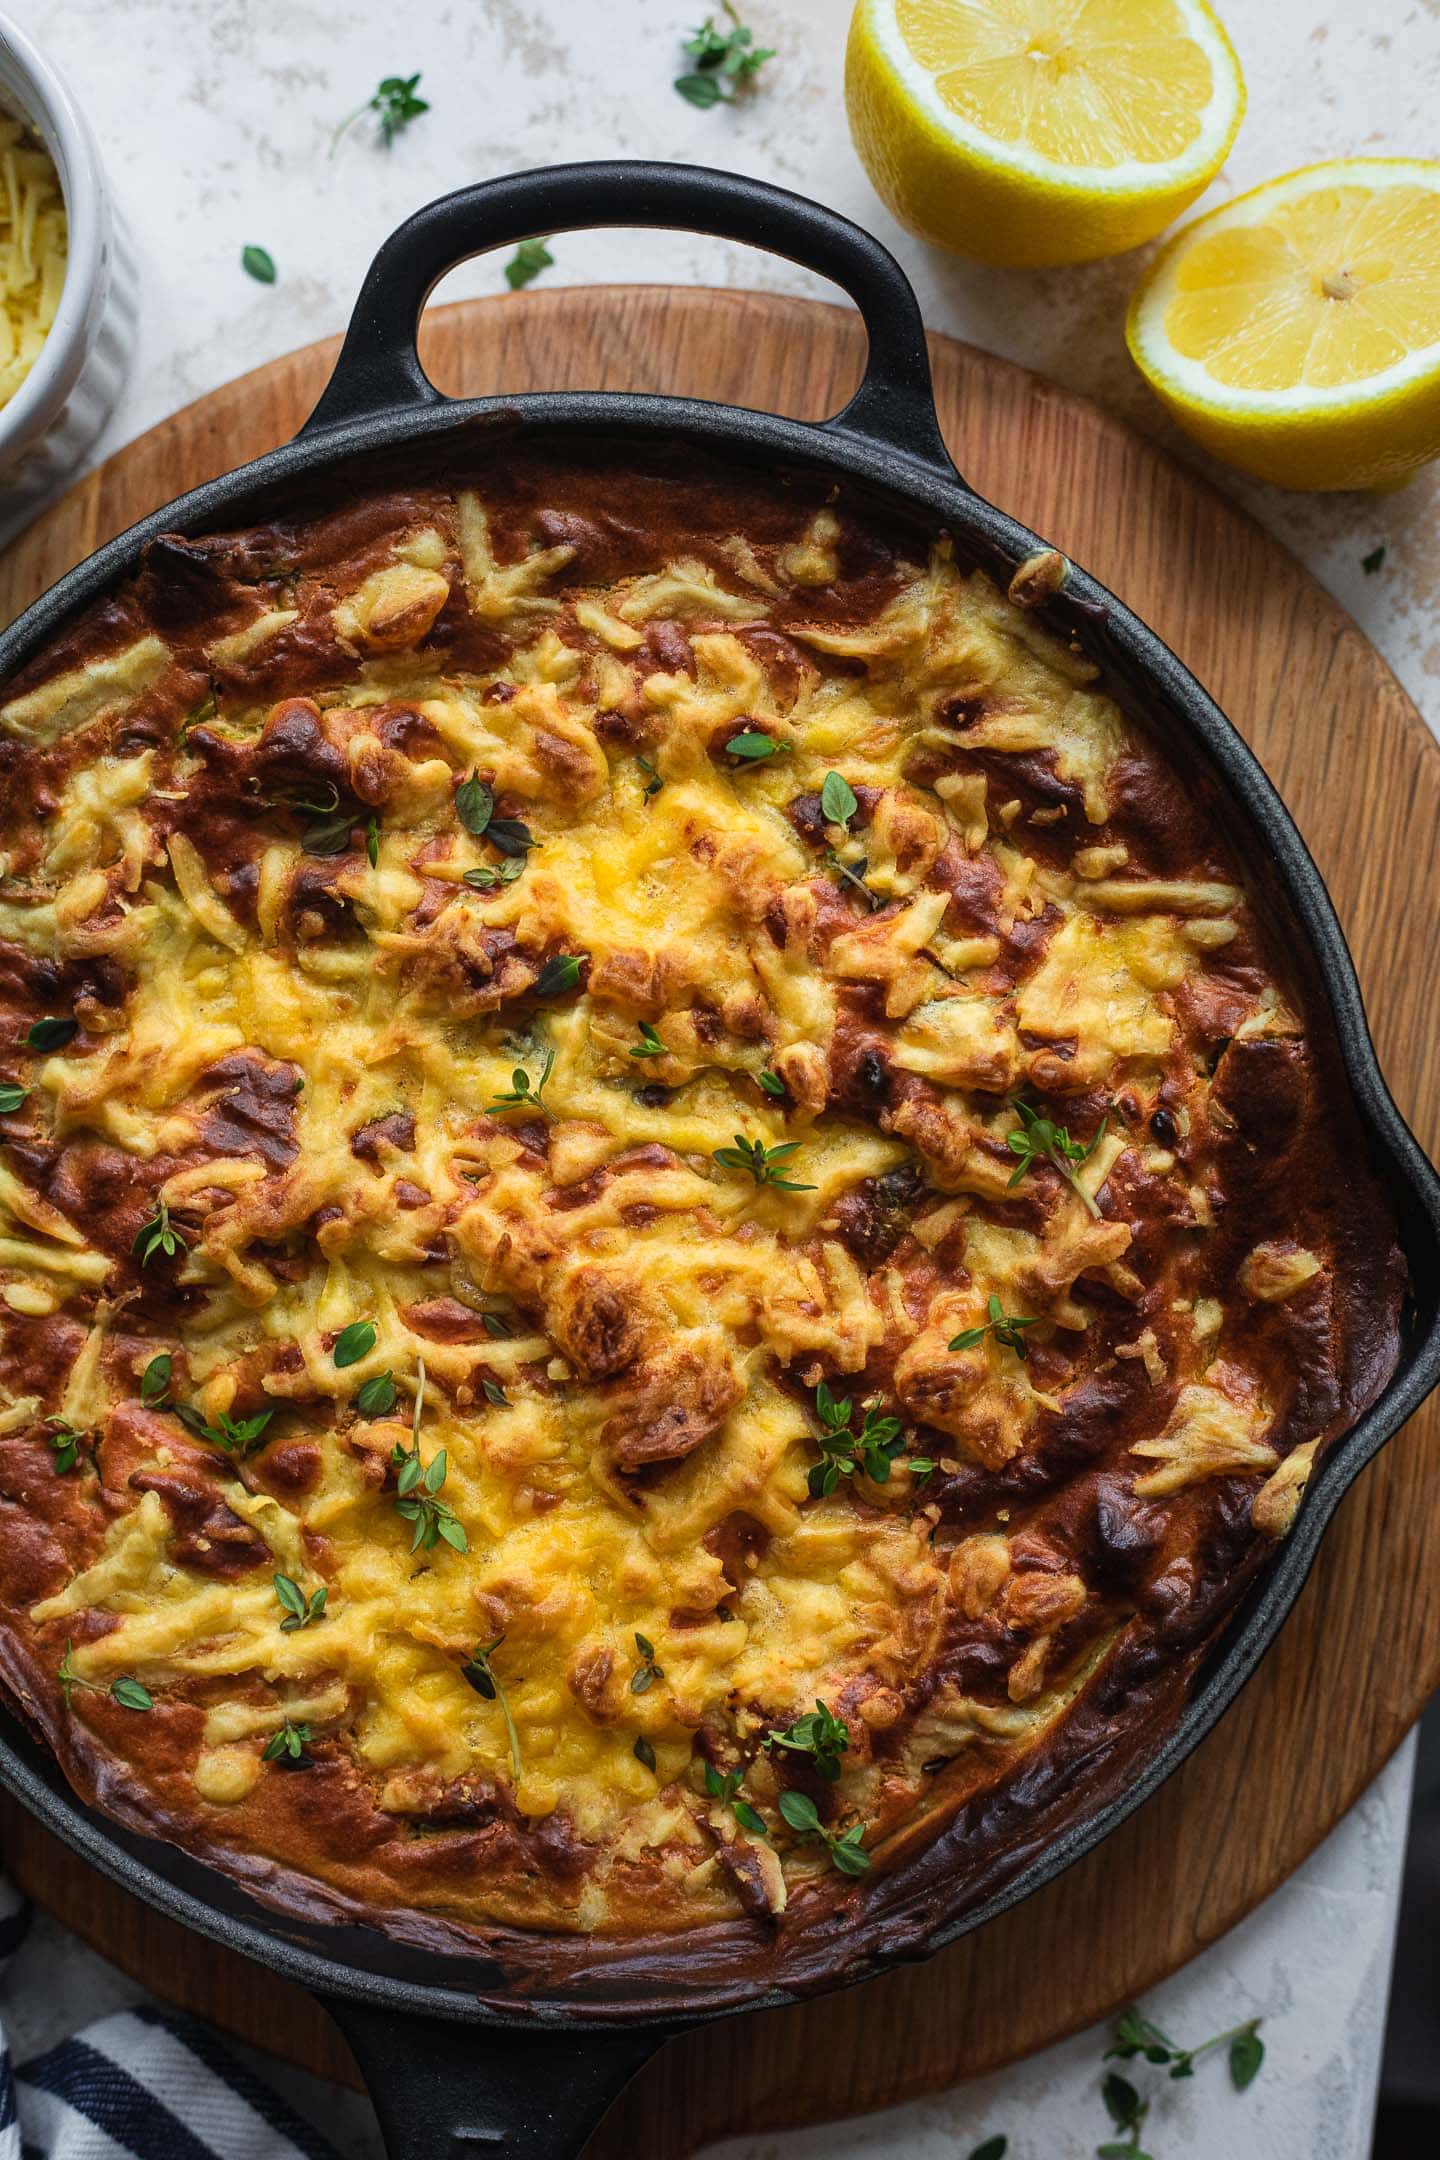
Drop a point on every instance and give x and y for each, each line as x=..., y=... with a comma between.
x=215, y=117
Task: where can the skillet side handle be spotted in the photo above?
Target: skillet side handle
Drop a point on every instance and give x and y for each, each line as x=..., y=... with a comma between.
x=453, y=2091
x=379, y=372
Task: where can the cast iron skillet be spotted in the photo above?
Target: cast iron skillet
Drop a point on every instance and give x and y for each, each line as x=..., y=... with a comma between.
x=519, y=2074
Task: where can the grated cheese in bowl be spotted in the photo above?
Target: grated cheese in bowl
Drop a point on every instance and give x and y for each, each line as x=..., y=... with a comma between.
x=32, y=251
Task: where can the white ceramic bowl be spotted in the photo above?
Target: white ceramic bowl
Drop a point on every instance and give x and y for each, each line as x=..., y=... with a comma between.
x=58, y=411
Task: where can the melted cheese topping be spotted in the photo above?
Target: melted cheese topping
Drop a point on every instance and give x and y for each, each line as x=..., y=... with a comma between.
x=431, y=1186
x=32, y=252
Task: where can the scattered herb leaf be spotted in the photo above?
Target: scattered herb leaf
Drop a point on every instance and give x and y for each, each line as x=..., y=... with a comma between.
x=299, y=1610
x=994, y=2148
x=395, y=105
x=843, y=1451
x=853, y=874
x=376, y=1397
x=11, y=1097
x=50, y=1034
x=529, y=259
x=287, y=1745
x=510, y=836
x=496, y=1324
x=724, y=60
x=521, y=1095
x=643, y=1752
x=485, y=878
x=495, y=1394
x=754, y=746
x=1005, y=1327
x=819, y=1734
x=155, y=1380
x=353, y=1343
x=1373, y=561
x=837, y=799
x=487, y=1683
x=761, y=1163
x=130, y=1694
x=159, y=1235
x=1040, y=1139
x=372, y=840
x=560, y=973
x=238, y=1436
x=649, y=1044
x=474, y=804
x=66, y=1445
x=648, y=1672
x=418, y=1486
x=846, y=1849
x=771, y=1082
x=259, y=263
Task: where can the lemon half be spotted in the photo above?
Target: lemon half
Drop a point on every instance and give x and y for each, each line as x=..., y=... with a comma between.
x=1033, y=132
x=1296, y=332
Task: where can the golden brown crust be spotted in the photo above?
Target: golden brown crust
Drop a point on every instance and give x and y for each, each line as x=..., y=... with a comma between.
x=239, y=810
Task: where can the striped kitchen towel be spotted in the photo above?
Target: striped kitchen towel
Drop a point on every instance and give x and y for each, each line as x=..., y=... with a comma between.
x=142, y=2084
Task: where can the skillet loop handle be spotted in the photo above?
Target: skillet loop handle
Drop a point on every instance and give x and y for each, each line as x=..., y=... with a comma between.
x=378, y=372
x=457, y=2091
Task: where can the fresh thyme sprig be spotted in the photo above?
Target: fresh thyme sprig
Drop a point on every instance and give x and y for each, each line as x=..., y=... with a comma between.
x=820, y=1735
x=649, y=1044
x=843, y=1451
x=853, y=874
x=724, y=60
x=1005, y=1327
x=484, y=878
x=648, y=1672
x=395, y=105
x=157, y=1234
x=11, y=1097
x=418, y=1486
x=1135, y=2034
x=238, y=1436
x=521, y=1095
x=66, y=1445
x=1040, y=1139
x=486, y=1682
x=846, y=1848
x=127, y=1692
x=762, y=1163
x=288, y=1745
x=299, y=1610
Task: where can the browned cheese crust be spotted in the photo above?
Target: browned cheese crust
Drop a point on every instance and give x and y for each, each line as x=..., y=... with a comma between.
x=441, y=914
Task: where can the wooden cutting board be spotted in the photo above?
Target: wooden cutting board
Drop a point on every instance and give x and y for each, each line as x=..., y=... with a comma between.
x=1362, y=775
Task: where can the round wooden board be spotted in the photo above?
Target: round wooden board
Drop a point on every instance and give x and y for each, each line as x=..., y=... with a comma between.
x=1362, y=776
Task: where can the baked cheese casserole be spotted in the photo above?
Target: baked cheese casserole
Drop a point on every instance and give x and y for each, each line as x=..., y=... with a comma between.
x=674, y=1232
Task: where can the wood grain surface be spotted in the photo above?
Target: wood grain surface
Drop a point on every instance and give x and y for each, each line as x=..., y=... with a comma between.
x=1362, y=776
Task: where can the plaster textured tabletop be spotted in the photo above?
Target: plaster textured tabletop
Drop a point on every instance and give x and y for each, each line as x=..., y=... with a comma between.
x=215, y=119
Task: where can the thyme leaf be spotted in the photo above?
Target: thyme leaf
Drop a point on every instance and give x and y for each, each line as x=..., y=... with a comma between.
x=765, y=1164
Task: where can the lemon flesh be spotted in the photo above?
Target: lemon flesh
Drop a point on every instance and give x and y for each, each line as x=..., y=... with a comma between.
x=1296, y=332
x=1035, y=132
